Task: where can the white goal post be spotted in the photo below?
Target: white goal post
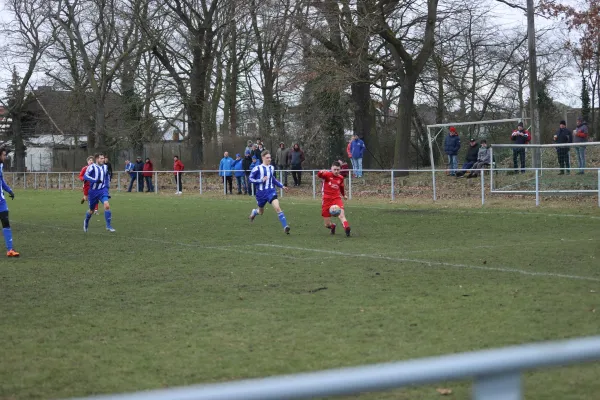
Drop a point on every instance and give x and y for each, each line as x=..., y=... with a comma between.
x=432, y=138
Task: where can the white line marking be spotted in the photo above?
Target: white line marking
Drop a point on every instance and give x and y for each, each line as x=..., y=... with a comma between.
x=437, y=263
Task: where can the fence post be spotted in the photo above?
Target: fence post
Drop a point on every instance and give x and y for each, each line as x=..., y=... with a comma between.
x=47, y=180
x=155, y=182
x=200, y=180
x=314, y=184
x=491, y=169
x=35, y=180
x=433, y=183
x=59, y=180
x=24, y=180
x=73, y=184
x=119, y=181
x=14, y=180
x=498, y=387
x=598, y=187
x=281, y=180
x=350, y=185
x=482, y=187
x=392, y=173
x=537, y=187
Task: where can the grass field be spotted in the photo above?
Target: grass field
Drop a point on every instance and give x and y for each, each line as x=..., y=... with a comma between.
x=187, y=291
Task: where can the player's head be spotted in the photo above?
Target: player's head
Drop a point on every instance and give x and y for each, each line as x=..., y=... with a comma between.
x=226, y=154
x=175, y=158
x=90, y=160
x=99, y=158
x=3, y=154
x=336, y=168
x=483, y=143
x=266, y=157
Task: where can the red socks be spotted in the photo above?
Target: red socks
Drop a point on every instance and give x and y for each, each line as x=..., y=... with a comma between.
x=346, y=224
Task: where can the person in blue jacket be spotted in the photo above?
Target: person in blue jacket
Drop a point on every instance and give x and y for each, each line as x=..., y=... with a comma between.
x=226, y=171
x=451, y=147
x=357, y=149
x=240, y=174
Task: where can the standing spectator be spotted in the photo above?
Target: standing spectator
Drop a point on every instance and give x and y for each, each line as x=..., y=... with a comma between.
x=296, y=158
x=349, y=152
x=148, y=169
x=130, y=167
x=471, y=158
x=246, y=165
x=178, y=168
x=451, y=147
x=563, y=136
x=240, y=175
x=248, y=146
x=357, y=149
x=108, y=168
x=344, y=170
x=581, y=136
x=484, y=159
x=226, y=171
x=281, y=162
x=520, y=136
x=256, y=152
x=139, y=170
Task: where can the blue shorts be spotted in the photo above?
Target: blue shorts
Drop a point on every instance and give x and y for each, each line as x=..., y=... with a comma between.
x=97, y=196
x=3, y=205
x=264, y=198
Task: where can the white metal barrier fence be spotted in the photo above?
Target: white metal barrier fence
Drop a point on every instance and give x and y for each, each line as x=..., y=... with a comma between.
x=209, y=181
x=496, y=374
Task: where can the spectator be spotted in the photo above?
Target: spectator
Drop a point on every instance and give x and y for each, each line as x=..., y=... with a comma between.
x=178, y=168
x=295, y=159
x=563, y=136
x=130, y=167
x=281, y=162
x=108, y=168
x=246, y=165
x=484, y=160
x=451, y=148
x=357, y=149
x=148, y=169
x=255, y=163
x=240, y=175
x=256, y=152
x=471, y=158
x=248, y=146
x=581, y=136
x=226, y=171
x=139, y=169
x=349, y=152
x=344, y=170
x=520, y=136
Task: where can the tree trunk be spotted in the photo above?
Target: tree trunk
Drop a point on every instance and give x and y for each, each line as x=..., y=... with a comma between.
x=403, y=130
x=361, y=99
x=99, y=127
x=18, y=142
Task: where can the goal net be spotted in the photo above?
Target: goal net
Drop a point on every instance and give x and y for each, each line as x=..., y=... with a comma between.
x=563, y=168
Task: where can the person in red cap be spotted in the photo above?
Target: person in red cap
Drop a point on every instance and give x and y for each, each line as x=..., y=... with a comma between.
x=451, y=147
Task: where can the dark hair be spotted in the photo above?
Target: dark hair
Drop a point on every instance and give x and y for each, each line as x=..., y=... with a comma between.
x=336, y=164
x=3, y=149
x=177, y=157
x=264, y=153
x=483, y=141
x=97, y=155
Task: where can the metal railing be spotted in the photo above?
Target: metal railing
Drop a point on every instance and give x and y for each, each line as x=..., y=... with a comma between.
x=203, y=181
x=496, y=374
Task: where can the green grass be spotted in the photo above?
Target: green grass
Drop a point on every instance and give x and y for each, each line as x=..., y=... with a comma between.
x=187, y=291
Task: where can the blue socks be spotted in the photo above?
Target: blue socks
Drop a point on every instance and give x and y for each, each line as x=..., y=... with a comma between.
x=88, y=216
x=7, y=238
x=108, y=217
x=282, y=219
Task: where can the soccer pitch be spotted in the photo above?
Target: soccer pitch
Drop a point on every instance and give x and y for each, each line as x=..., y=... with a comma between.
x=187, y=291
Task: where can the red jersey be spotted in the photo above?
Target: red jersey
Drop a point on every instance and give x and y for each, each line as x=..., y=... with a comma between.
x=81, y=174
x=333, y=186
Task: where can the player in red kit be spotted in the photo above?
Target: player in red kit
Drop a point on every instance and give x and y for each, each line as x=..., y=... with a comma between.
x=86, y=184
x=333, y=190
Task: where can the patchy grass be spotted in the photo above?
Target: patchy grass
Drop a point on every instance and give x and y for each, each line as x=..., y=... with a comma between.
x=187, y=291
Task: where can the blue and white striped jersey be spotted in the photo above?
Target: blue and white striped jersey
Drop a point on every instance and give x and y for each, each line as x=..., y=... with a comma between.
x=3, y=185
x=95, y=173
x=257, y=175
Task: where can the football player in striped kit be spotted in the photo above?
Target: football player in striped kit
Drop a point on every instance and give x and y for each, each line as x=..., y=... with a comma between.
x=97, y=175
x=4, y=188
x=265, y=188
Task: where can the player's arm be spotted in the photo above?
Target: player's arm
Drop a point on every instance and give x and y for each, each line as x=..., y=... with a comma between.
x=276, y=182
x=82, y=174
x=5, y=187
x=323, y=174
x=88, y=177
x=255, y=176
x=343, y=189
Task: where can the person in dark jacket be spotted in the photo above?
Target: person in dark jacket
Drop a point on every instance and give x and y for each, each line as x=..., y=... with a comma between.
x=520, y=136
x=471, y=158
x=148, y=169
x=108, y=168
x=238, y=170
x=296, y=157
x=139, y=170
x=451, y=148
x=246, y=163
x=563, y=136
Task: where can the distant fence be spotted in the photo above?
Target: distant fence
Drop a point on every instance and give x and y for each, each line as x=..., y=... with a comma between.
x=496, y=373
x=383, y=184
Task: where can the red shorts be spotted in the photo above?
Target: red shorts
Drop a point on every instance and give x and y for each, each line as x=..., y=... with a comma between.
x=86, y=190
x=328, y=203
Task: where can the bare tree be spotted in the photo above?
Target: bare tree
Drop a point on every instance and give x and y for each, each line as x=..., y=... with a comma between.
x=28, y=35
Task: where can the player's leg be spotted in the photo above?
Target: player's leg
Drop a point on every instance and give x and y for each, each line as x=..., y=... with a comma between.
x=107, y=213
x=259, y=210
x=7, y=233
x=280, y=214
x=344, y=222
x=327, y=217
